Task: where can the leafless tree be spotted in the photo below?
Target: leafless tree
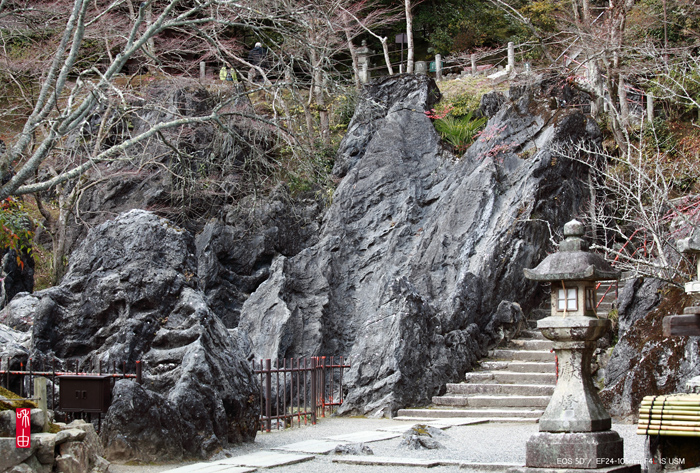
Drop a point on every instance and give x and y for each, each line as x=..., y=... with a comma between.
x=637, y=211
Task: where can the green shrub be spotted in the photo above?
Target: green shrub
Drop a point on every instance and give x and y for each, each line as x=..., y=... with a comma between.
x=464, y=104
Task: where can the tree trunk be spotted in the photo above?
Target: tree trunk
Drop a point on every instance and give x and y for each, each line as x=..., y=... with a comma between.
x=353, y=56
x=409, y=36
x=387, y=59
x=624, y=105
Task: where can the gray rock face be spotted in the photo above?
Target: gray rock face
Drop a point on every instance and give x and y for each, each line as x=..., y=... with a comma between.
x=14, y=350
x=644, y=362
x=159, y=178
x=234, y=254
x=419, y=248
x=15, y=278
x=130, y=294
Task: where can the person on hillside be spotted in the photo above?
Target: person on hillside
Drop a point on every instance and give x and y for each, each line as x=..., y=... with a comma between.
x=256, y=57
x=222, y=73
x=231, y=75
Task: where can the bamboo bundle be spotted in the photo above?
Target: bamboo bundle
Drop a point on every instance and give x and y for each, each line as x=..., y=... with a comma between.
x=674, y=433
x=673, y=415
x=674, y=398
x=667, y=422
x=664, y=411
x=664, y=416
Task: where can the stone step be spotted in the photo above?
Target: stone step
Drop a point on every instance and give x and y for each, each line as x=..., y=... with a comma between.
x=480, y=413
x=530, y=334
x=537, y=314
x=521, y=366
x=499, y=389
x=510, y=377
x=529, y=420
x=531, y=344
x=523, y=355
x=491, y=401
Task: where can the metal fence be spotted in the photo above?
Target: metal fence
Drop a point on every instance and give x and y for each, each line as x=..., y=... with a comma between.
x=293, y=390
x=20, y=381
x=298, y=389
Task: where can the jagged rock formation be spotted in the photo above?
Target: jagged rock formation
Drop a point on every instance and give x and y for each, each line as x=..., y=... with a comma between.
x=131, y=294
x=644, y=362
x=419, y=248
x=234, y=254
x=173, y=179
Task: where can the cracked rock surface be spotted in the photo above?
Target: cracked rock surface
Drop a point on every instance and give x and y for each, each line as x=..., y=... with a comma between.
x=419, y=247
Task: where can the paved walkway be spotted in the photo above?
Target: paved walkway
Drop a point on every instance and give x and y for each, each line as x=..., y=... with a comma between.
x=468, y=446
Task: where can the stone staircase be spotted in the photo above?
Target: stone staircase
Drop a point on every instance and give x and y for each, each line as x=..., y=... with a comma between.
x=514, y=384
x=607, y=296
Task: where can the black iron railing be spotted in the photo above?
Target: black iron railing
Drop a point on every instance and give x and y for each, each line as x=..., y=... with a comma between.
x=298, y=390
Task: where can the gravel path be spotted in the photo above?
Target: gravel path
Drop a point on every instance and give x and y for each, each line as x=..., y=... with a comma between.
x=482, y=443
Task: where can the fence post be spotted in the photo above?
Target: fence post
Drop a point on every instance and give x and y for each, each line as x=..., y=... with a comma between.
x=202, y=71
x=138, y=372
x=473, y=64
x=321, y=384
x=438, y=67
x=511, y=57
x=268, y=394
x=42, y=400
x=314, y=397
x=650, y=108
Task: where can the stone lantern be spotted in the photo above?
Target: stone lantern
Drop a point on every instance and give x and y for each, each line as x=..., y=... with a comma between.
x=363, y=54
x=575, y=427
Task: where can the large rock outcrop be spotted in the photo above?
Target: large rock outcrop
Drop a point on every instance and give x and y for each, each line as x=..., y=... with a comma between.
x=187, y=179
x=644, y=362
x=131, y=294
x=420, y=248
x=204, y=179
x=234, y=254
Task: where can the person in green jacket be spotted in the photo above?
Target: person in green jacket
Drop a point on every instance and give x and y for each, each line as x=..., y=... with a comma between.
x=222, y=73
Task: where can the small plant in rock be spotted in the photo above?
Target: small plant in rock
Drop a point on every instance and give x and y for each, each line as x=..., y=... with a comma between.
x=458, y=131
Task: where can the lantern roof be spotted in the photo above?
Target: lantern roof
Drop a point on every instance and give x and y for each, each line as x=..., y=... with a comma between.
x=573, y=261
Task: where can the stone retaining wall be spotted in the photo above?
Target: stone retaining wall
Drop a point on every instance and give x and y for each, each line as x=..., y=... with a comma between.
x=76, y=448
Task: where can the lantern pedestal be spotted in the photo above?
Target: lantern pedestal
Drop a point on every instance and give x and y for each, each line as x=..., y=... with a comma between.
x=575, y=405
x=577, y=450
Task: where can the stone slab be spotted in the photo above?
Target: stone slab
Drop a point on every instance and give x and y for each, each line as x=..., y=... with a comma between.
x=385, y=461
x=457, y=422
x=441, y=424
x=265, y=459
x=500, y=467
x=365, y=436
x=576, y=450
x=318, y=447
x=210, y=468
x=632, y=468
